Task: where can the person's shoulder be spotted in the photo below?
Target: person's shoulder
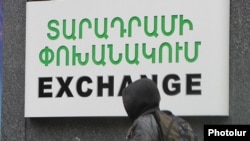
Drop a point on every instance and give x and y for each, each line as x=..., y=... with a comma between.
x=145, y=122
x=143, y=128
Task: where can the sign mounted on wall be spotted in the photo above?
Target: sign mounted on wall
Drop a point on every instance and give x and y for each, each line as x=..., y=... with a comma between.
x=80, y=55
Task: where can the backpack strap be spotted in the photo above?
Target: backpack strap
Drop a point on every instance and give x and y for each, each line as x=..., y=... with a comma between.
x=170, y=126
x=164, y=134
x=157, y=119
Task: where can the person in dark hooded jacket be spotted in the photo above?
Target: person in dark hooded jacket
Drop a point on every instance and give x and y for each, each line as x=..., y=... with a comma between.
x=140, y=99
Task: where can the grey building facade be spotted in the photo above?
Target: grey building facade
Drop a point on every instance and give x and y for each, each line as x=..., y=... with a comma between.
x=17, y=128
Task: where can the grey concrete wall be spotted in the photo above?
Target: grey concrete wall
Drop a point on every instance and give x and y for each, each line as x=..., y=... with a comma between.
x=16, y=128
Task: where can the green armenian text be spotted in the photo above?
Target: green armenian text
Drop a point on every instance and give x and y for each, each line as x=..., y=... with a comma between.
x=160, y=52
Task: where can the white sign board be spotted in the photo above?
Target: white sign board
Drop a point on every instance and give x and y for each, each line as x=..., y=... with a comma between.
x=81, y=54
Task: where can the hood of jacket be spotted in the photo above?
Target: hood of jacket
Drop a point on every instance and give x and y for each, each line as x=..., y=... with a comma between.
x=140, y=97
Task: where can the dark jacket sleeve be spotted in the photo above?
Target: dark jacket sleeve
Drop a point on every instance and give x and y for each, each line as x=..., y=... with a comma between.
x=143, y=129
